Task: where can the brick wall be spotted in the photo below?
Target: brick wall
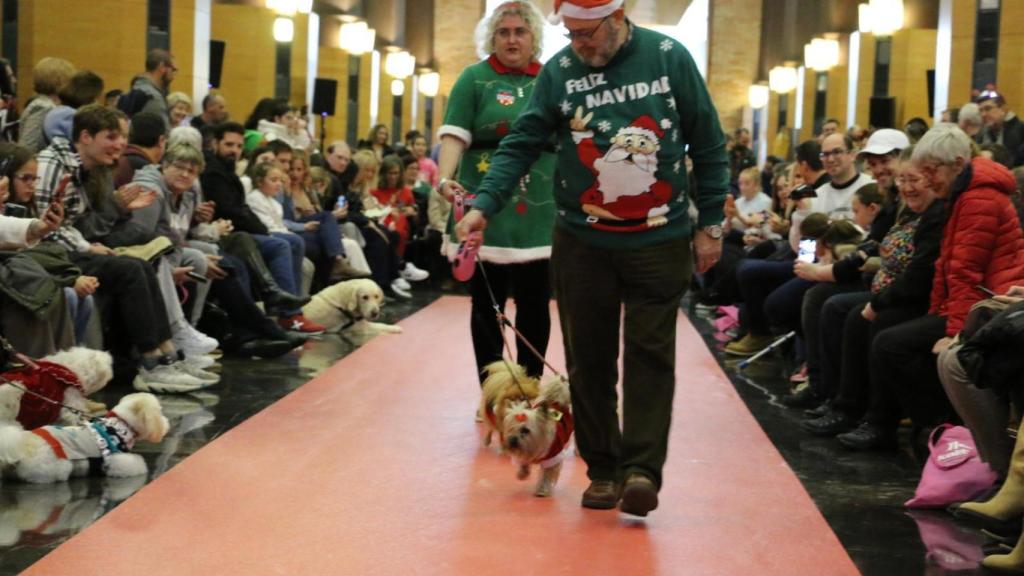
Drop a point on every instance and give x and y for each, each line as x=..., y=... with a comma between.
x=735, y=44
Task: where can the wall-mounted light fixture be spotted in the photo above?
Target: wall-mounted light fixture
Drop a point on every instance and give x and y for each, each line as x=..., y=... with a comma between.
x=821, y=54
x=880, y=17
x=284, y=30
x=757, y=96
x=782, y=79
x=399, y=63
x=356, y=37
x=428, y=83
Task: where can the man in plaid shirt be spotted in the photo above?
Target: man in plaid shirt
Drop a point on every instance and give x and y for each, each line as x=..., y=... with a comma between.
x=99, y=141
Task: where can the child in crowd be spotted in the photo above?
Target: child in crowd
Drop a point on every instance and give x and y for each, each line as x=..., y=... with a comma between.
x=750, y=212
x=391, y=193
x=416, y=143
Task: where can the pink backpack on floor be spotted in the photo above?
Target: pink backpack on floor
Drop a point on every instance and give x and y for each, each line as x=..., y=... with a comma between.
x=953, y=473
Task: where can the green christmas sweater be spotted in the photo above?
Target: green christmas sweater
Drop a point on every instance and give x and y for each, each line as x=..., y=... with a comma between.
x=622, y=133
x=482, y=107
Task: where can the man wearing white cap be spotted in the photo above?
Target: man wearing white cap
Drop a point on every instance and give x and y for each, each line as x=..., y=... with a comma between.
x=881, y=157
x=625, y=105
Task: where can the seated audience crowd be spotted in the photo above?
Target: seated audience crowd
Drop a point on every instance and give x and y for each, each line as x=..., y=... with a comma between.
x=894, y=260
x=168, y=239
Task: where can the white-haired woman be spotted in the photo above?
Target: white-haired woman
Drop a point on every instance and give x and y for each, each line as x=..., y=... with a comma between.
x=982, y=249
x=484, y=102
x=179, y=108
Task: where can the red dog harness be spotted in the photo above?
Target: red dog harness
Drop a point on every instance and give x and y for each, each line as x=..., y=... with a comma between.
x=49, y=381
x=561, y=447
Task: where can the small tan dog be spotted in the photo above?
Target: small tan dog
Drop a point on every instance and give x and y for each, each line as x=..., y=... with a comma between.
x=532, y=419
x=352, y=304
x=54, y=453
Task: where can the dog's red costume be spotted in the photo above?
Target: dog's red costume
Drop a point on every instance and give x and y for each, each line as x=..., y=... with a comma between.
x=563, y=432
x=50, y=381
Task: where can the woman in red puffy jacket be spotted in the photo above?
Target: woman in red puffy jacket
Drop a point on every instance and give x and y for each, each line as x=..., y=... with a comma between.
x=982, y=246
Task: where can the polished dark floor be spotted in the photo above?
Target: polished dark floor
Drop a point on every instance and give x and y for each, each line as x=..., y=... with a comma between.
x=860, y=495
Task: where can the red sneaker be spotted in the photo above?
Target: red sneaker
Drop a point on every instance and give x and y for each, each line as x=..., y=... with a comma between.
x=301, y=324
x=800, y=376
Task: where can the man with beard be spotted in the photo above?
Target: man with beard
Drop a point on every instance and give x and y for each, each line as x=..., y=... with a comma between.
x=160, y=72
x=278, y=263
x=626, y=104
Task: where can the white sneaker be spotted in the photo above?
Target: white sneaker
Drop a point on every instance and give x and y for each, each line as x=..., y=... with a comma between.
x=399, y=291
x=166, y=379
x=201, y=362
x=414, y=274
x=192, y=342
x=402, y=283
x=207, y=378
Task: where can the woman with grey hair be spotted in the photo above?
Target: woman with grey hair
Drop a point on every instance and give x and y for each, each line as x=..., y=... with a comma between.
x=485, y=101
x=969, y=119
x=227, y=282
x=185, y=135
x=982, y=250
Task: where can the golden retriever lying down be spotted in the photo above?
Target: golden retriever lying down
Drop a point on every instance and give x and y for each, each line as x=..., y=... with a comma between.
x=349, y=305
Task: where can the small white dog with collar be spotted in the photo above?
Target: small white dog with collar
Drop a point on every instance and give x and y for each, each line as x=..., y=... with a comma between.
x=54, y=453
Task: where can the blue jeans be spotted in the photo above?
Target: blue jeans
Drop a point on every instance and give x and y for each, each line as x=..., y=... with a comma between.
x=757, y=279
x=80, y=311
x=284, y=263
x=327, y=237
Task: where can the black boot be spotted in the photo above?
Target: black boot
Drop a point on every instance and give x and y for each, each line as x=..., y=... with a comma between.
x=272, y=295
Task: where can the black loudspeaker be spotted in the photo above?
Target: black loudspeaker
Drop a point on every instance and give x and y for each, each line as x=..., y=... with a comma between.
x=883, y=112
x=325, y=93
x=216, y=61
x=930, y=74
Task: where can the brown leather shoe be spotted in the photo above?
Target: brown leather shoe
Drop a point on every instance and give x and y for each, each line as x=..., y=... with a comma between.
x=639, y=495
x=601, y=495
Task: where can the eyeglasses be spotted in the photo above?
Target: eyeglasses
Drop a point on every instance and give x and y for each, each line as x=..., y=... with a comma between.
x=585, y=34
x=188, y=169
x=829, y=153
x=913, y=182
x=26, y=178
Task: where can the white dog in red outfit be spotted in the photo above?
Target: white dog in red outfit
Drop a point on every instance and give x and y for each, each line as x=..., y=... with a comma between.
x=68, y=377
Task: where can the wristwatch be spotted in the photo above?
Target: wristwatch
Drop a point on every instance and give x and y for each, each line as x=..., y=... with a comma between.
x=714, y=231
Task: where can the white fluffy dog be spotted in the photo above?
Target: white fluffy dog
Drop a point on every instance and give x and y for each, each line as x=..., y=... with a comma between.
x=533, y=420
x=67, y=377
x=54, y=453
x=352, y=304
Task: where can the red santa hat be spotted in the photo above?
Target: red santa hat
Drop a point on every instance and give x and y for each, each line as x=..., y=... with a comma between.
x=644, y=126
x=585, y=9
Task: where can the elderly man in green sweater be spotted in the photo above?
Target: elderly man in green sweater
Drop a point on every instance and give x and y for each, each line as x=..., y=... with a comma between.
x=625, y=104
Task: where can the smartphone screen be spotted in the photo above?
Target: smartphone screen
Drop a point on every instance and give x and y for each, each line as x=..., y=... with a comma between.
x=808, y=250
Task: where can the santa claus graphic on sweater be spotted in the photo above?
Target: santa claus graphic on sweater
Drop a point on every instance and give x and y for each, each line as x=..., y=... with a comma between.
x=626, y=195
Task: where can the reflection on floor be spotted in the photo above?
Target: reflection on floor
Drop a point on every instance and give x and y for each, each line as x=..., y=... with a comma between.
x=36, y=519
x=860, y=495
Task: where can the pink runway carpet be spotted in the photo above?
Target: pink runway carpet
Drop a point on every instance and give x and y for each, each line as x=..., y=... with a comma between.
x=375, y=467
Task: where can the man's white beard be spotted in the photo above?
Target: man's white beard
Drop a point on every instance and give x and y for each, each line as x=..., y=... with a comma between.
x=620, y=178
